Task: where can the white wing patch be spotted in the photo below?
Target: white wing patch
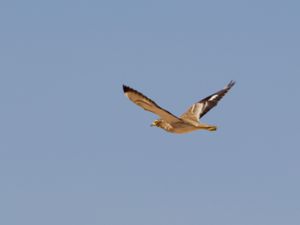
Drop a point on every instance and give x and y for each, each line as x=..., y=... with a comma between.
x=213, y=97
x=199, y=109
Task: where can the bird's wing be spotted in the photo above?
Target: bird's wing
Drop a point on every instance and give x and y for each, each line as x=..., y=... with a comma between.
x=199, y=109
x=149, y=105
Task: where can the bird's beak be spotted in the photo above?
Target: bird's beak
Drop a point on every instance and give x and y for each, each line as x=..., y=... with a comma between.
x=152, y=125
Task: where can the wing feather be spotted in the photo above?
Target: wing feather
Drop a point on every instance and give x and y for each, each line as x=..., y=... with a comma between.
x=149, y=105
x=199, y=109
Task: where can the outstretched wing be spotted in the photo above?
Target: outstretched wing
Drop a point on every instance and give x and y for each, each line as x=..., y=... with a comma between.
x=199, y=109
x=149, y=105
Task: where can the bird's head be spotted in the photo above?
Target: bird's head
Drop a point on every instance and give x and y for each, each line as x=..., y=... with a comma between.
x=155, y=123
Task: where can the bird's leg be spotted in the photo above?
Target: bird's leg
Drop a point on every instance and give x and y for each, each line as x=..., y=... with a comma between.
x=208, y=127
x=212, y=128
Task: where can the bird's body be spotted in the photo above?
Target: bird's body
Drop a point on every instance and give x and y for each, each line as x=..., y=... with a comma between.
x=183, y=126
x=187, y=122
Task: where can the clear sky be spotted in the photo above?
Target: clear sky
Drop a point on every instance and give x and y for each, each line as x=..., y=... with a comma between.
x=74, y=150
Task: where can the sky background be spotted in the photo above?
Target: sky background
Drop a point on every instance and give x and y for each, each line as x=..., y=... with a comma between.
x=74, y=150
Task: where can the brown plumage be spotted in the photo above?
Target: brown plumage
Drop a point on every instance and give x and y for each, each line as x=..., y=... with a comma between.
x=187, y=122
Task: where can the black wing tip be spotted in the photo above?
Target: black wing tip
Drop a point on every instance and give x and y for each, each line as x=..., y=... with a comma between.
x=126, y=88
x=231, y=84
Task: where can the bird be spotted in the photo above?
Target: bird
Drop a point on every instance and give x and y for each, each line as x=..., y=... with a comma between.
x=188, y=121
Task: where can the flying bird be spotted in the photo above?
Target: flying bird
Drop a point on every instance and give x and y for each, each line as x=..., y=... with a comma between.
x=187, y=122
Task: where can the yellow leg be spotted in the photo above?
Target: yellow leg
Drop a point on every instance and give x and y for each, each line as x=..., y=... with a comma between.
x=212, y=128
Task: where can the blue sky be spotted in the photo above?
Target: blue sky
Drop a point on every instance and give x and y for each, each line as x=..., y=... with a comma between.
x=75, y=151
